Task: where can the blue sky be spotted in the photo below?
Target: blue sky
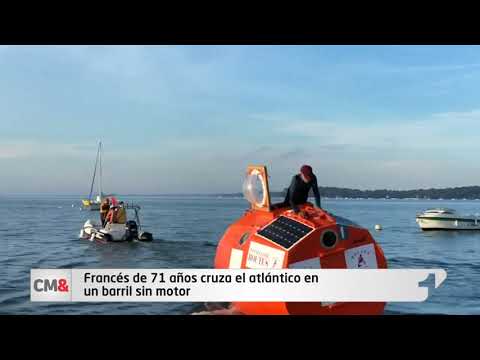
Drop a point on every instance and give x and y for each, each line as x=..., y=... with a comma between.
x=188, y=119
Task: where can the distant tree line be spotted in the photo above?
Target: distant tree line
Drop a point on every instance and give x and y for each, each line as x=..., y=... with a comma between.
x=464, y=192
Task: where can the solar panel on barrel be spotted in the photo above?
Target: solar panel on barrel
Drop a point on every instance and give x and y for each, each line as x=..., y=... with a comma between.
x=285, y=232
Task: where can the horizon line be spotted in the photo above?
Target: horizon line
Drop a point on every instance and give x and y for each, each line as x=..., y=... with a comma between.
x=220, y=193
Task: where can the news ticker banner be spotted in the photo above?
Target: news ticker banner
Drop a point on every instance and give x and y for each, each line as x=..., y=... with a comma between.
x=227, y=285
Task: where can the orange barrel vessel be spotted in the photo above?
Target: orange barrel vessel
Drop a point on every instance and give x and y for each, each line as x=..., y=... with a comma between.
x=269, y=238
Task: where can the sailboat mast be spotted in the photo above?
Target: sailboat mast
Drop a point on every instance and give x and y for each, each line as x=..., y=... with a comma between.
x=94, y=174
x=100, y=169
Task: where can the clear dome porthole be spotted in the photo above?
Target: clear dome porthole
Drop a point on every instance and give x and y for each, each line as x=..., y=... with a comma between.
x=254, y=188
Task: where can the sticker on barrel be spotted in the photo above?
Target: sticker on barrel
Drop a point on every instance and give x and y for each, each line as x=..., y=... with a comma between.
x=264, y=257
x=361, y=257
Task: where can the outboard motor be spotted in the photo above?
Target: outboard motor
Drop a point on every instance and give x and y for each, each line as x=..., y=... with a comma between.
x=145, y=236
x=131, y=230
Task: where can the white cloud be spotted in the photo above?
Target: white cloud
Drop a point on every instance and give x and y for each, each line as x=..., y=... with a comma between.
x=14, y=151
x=441, y=131
x=126, y=61
x=431, y=68
x=154, y=74
x=37, y=149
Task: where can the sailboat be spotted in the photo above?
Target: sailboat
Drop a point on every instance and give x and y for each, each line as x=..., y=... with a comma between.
x=90, y=203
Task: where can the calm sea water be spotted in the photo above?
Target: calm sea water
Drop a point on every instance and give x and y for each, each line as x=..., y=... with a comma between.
x=42, y=232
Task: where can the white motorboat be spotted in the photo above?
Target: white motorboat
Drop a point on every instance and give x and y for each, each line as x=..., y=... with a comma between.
x=447, y=219
x=129, y=231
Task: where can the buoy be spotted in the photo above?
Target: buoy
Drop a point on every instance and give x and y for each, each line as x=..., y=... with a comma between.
x=378, y=227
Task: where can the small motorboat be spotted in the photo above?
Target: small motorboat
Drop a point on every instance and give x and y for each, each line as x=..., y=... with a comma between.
x=446, y=219
x=130, y=231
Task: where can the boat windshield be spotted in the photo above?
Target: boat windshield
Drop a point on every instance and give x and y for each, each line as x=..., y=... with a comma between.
x=441, y=211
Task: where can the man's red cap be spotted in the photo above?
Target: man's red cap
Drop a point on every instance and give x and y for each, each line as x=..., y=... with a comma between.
x=307, y=171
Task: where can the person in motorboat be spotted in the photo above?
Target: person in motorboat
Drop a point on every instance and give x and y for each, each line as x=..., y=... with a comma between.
x=297, y=193
x=110, y=215
x=104, y=208
x=121, y=215
x=117, y=214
